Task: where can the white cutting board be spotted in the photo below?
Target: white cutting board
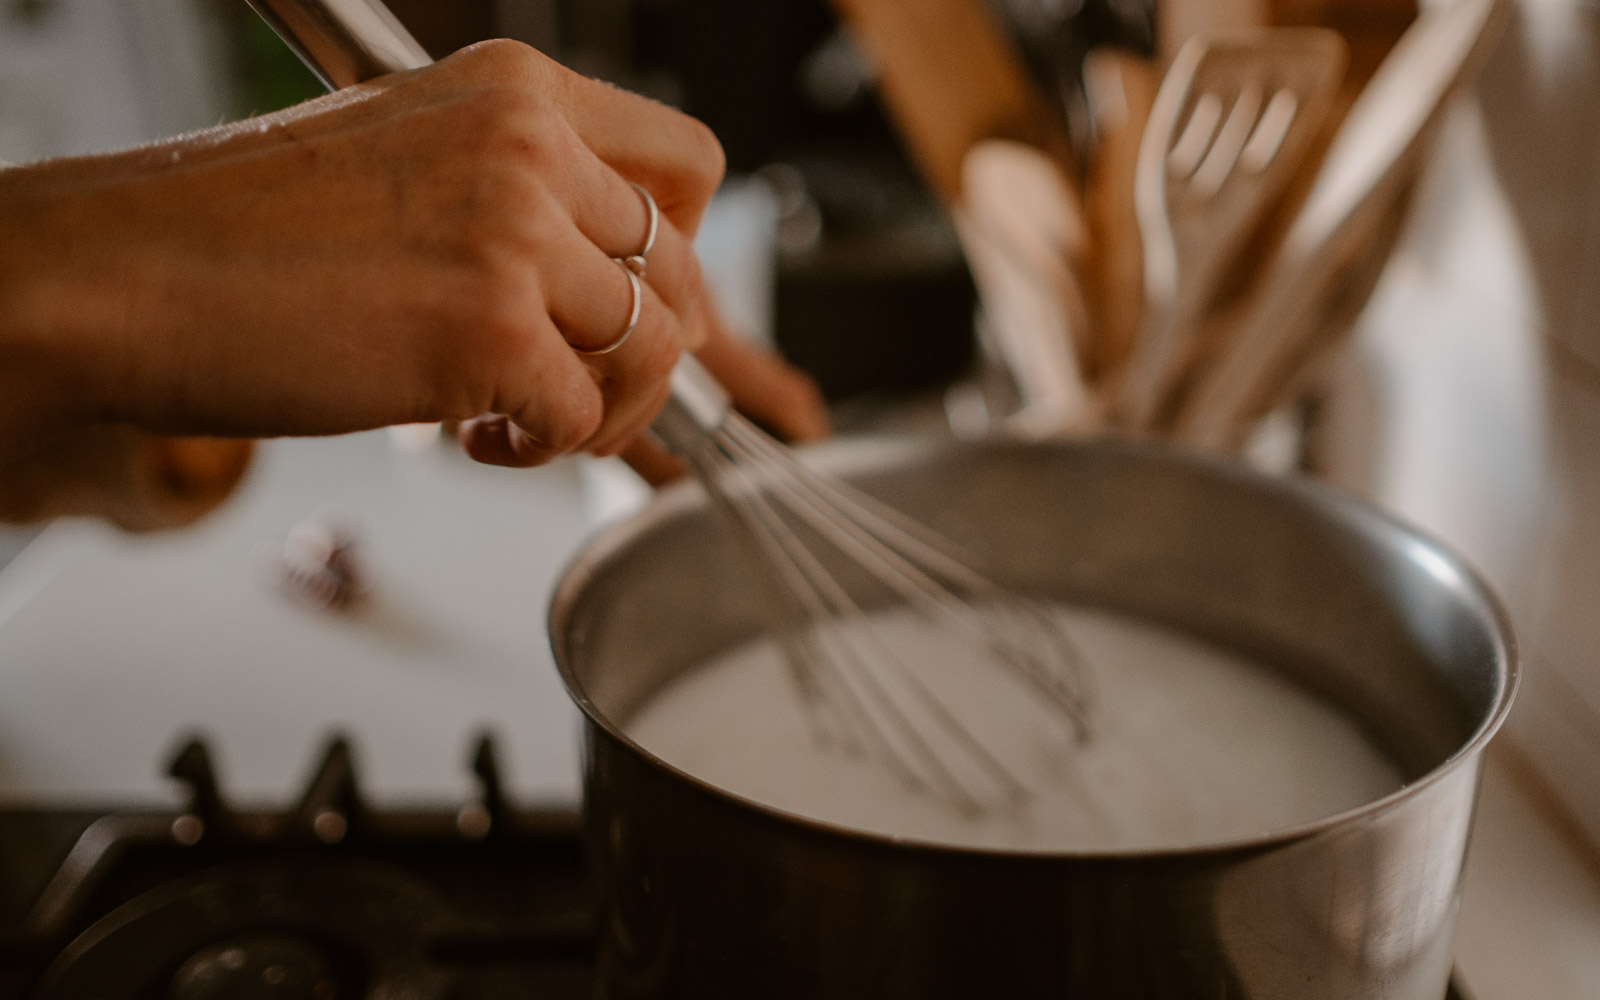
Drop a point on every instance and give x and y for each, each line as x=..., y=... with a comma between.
x=113, y=646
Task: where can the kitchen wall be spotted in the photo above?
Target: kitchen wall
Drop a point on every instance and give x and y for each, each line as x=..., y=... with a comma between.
x=1541, y=101
x=1470, y=401
x=84, y=75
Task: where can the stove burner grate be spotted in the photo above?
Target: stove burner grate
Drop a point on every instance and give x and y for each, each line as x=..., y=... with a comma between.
x=329, y=900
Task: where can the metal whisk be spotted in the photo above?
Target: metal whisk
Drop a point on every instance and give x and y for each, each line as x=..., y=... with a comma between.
x=850, y=672
x=814, y=535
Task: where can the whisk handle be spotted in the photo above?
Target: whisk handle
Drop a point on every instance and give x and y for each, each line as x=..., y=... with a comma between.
x=343, y=41
x=696, y=409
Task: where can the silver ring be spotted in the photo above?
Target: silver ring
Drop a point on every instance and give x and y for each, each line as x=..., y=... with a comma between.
x=633, y=314
x=635, y=263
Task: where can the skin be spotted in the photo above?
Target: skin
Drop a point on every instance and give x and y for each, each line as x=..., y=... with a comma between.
x=430, y=246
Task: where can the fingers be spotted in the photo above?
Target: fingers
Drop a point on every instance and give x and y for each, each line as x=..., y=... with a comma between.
x=591, y=296
x=630, y=428
x=592, y=300
x=494, y=440
x=654, y=464
x=596, y=303
x=547, y=403
x=672, y=154
x=600, y=217
x=490, y=439
x=612, y=214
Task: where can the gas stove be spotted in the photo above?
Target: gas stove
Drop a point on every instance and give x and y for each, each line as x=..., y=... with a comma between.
x=328, y=899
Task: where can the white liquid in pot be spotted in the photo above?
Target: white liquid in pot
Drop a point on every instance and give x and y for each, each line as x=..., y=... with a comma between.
x=1190, y=745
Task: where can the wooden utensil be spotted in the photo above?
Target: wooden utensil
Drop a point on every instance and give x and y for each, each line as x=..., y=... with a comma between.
x=1372, y=158
x=1121, y=88
x=950, y=78
x=1234, y=120
x=1180, y=21
x=1024, y=235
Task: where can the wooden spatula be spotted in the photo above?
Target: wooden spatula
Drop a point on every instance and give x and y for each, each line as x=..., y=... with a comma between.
x=1373, y=155
x=1234, y=120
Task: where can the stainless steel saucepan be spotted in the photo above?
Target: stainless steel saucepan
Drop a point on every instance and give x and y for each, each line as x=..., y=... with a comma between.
x=707, y=895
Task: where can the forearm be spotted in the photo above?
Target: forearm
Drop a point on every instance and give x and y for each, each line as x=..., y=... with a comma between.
x=64, y=325
x=64, y=308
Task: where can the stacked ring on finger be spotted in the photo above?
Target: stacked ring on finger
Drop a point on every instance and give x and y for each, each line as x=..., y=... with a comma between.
x=634, y=267
x=633, y=315
x=636, y=262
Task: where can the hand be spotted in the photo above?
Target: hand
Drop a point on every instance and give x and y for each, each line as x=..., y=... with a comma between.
x=433, y=245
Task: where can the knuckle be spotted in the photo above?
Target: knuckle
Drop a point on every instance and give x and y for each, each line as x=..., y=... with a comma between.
x=502, y=58
x=505, y=125
x=511, y=120
x=587, y=413
x=684, y=284
x=573, y=415
x=707, y=159
x=695, y=168
x=686, y=165
x=660, y=353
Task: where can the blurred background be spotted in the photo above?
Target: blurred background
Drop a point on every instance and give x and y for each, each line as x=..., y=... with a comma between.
x=1463, y=394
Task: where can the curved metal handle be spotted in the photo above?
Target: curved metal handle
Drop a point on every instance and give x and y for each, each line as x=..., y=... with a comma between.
x=343, y=41
x=348, y=41
x=697, y=408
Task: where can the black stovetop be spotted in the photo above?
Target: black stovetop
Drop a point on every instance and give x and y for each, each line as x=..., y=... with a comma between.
x=328, y=900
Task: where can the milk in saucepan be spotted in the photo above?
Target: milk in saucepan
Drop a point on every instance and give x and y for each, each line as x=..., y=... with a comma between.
x=1188, y=744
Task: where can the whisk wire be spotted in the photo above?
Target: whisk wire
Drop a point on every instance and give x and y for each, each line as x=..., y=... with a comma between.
x=781, y=551
x=707, y=460
x=848, y=670
x=830, y=602
x=892, y=542
x=749, y=453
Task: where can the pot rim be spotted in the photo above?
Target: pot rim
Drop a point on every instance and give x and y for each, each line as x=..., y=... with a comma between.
x=867, y=453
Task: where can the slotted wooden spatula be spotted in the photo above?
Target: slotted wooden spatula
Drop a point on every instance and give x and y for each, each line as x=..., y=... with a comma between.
x=1284, y=325
x=1235, y=118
